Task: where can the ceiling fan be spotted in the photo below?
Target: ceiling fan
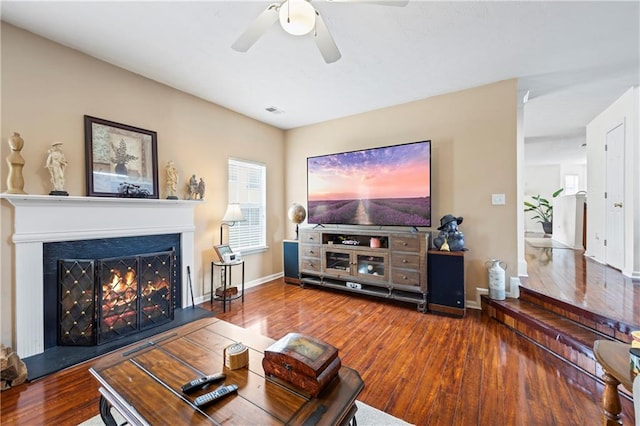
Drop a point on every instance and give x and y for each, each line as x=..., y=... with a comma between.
x=299, y=17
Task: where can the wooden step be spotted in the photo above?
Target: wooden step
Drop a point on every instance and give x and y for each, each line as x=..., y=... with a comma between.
x=560, y=335
x=613, y=328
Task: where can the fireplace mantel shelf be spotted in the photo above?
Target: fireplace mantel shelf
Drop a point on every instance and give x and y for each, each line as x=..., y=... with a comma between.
x=23, y=199
x=57, y=218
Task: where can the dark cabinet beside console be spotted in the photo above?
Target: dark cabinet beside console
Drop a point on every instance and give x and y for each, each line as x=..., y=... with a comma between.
x=446, y=282
x=290, y=252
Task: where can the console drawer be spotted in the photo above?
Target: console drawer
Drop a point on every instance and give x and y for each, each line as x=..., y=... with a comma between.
x=310, y=250
x=312, y=237
x=405, y=243
x=405, y=260
x=405, y=277
x=310, y=265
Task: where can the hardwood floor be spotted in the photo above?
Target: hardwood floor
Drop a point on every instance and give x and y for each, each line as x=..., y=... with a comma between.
x=423, y=368
x=565, y=274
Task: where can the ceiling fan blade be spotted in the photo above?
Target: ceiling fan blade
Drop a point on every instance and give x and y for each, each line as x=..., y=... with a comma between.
x=325, y=42
x=399, y=3
x=261, y=24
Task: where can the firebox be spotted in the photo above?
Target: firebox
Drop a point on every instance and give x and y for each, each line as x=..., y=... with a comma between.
x=101, y=300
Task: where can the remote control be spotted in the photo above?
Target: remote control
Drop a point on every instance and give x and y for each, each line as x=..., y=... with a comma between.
x=215, y=395
x=202, y=382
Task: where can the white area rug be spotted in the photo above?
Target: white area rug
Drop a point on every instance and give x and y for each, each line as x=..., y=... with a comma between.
x=546, y=243
x=366, y=416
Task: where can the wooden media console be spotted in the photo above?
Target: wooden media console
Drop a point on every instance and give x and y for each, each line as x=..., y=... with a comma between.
x=381, y=263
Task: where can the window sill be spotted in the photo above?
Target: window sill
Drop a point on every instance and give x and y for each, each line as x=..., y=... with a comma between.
x=254, y=250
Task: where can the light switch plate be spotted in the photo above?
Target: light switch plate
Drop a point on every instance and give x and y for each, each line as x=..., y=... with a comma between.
x=497, y=199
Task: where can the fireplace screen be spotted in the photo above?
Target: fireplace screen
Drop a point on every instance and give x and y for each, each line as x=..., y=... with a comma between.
x=105, y=299
x=77, y=302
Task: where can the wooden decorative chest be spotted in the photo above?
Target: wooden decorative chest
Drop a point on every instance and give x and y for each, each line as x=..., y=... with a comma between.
x=306, y=363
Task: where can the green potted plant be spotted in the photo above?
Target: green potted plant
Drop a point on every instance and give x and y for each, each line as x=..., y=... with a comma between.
x=543, y=210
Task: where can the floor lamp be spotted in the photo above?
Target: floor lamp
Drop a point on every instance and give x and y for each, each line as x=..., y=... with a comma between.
x=232, y=215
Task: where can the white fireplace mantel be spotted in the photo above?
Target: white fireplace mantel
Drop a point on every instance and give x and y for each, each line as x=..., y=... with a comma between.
x=39, y=219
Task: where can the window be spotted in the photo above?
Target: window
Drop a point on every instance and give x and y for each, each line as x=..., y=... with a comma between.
x=571, y=184
x=247, y=187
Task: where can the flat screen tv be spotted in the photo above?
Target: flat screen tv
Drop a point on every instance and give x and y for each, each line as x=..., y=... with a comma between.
x=386, y=186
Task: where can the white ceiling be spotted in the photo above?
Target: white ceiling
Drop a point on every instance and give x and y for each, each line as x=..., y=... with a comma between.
x=575, y=58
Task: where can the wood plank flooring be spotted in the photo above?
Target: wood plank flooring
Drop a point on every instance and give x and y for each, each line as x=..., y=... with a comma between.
x=423, y=368
x=567, y=275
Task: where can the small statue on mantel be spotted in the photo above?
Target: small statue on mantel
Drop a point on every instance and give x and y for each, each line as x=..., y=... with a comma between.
x=15, y=180
x=449, y=238
x=196, y=189
x=57, y=164
x=193, y=188
x=172, y=181
x=201, y=188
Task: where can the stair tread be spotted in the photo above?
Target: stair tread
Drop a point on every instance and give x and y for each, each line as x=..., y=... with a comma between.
x=565, y=327
x=613, y=328
x=568, y=339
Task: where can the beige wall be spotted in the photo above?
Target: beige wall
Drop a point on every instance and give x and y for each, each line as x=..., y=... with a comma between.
x=473, y=156
x=46, y=90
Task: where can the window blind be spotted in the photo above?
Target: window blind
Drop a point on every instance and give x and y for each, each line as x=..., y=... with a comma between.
x=247, y=187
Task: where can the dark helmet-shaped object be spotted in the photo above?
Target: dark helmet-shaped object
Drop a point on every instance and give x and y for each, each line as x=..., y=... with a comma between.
x=448, y=218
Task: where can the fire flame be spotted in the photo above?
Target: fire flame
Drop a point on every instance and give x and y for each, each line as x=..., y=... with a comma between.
x=120, y=289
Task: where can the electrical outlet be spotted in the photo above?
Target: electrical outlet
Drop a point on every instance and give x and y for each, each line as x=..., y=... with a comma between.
x=497, y=199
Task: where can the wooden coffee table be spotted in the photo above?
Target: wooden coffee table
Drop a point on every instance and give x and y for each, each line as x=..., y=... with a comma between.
x=614, y=359
x=143, y=382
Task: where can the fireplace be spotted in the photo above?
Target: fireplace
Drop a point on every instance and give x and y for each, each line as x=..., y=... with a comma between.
x=109, y=285
x=44, y=223
x=106, y=299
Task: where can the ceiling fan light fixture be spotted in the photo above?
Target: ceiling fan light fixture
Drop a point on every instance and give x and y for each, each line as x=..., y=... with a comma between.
x=297, y=17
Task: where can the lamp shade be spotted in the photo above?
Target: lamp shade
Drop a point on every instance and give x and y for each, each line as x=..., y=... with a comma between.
x=297, y=17
x=233, y=213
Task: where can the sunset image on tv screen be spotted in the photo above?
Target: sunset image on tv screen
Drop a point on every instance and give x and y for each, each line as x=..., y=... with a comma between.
x=379, y=186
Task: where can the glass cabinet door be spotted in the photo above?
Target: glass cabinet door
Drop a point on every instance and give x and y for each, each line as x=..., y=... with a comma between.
x=371, y=266
x=337, y=261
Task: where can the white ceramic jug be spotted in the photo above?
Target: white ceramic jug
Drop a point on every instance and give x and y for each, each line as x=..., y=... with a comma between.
x=496, y=269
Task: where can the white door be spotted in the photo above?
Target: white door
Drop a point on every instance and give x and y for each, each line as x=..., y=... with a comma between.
x=614, y=200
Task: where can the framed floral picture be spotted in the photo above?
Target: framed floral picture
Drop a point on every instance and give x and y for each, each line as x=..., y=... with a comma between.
x=120, y=160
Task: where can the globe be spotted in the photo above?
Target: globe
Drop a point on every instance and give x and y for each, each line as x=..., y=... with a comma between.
x=297, y=214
